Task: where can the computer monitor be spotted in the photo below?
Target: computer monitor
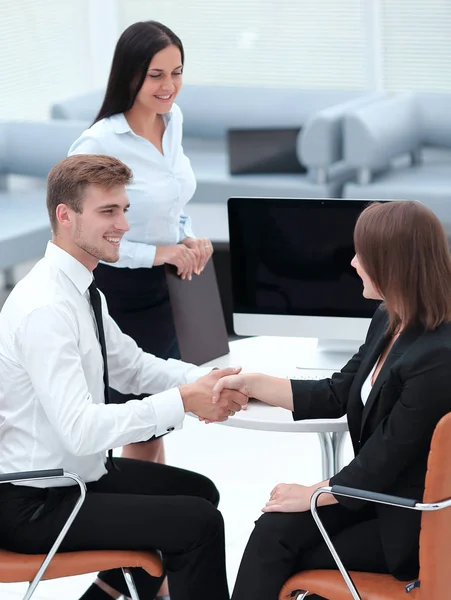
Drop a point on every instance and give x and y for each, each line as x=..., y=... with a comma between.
x=291, y=271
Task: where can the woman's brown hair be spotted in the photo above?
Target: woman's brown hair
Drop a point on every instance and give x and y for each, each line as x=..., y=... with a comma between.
x=404, y=250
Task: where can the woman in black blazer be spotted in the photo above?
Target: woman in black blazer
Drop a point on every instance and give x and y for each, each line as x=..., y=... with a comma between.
x=393, y=391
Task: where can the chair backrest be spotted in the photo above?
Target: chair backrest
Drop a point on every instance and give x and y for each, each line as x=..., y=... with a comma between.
x=198, y=315
x=435, y=537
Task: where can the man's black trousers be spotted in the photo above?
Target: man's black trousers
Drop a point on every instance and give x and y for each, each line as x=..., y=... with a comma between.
x=139, y=506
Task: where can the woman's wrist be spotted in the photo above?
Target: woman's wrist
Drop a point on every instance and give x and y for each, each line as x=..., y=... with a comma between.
x=275, y=391
x=251, y=384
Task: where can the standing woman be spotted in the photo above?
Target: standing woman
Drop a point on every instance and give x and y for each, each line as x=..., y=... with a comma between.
x=140, y=124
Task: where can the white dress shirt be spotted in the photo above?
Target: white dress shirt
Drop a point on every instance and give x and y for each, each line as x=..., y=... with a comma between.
x=52, y=410
x=161, y=187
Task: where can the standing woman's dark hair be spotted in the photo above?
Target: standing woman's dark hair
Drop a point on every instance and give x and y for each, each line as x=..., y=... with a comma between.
x=404, y=250
x=134, y=50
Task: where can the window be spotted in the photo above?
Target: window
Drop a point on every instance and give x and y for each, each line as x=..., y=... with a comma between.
x=416, y=45
x=275, y=43
x=44, y=55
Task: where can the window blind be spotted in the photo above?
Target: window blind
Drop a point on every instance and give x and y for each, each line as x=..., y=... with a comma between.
x=416, y=45
x=44, y=55
x=274, y=43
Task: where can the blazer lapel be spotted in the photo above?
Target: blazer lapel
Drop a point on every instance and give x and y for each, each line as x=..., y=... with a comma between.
x=355, y=405
x=402, y=344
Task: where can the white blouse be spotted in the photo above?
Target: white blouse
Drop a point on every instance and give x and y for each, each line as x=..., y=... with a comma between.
x=162, y=184
x=367, y=386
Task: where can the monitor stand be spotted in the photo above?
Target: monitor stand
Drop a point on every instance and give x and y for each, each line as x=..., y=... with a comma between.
x=329, y=354
x=346, y=347
x=335, y=352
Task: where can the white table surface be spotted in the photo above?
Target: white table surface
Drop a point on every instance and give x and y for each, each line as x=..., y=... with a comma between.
x=280, y=357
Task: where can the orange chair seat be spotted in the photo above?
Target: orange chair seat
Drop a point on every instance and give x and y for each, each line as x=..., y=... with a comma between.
x=23, y=567
x=330, y=584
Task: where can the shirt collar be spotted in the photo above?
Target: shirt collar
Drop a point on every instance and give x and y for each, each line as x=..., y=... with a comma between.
x=80, y=276
x=120, y=124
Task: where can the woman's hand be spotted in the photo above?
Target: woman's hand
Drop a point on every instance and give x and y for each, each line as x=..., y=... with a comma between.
x=203, y=250
x=240, y=383
x=272, y=390
x=289, y=497
x=178, y=255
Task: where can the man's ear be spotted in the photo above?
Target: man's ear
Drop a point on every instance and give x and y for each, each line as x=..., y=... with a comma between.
x=64, y=216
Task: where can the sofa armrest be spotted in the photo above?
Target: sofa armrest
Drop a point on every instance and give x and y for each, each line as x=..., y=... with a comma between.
x=320, y=143
x=379, y=132
x=32, y=148
x=80, y=108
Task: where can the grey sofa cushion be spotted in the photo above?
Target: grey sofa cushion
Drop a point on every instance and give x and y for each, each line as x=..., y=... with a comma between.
x=435, y=118
x=428, y=183
x=209, y=111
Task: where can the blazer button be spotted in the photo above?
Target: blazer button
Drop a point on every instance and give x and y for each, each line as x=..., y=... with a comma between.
x=170, y=429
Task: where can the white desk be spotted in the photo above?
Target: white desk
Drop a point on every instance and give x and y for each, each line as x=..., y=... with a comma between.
x=280, y=357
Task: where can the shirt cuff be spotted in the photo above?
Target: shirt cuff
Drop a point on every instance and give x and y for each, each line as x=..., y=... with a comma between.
x=143, y=255
x=169, y=411
x=196, y=373
x=186, y=229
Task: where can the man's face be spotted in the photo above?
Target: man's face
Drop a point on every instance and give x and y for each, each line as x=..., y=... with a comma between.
x=97, y=231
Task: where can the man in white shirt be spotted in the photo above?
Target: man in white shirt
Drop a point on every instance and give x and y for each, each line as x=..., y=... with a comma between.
x=54, y=414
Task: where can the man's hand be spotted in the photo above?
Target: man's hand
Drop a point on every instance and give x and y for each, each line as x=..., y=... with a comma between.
x=197, y=397
x=203, y=250
x=179, y=255
x=238, y=382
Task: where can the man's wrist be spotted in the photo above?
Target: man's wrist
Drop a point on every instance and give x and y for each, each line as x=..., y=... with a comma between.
x=186, y=393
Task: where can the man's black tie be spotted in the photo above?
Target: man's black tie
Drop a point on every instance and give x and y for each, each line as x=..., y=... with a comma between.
x=96, y=304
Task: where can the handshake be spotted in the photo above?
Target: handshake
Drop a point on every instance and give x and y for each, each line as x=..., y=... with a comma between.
x=210, y=400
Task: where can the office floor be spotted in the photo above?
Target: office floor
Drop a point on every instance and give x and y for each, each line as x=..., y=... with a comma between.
x=245, y=465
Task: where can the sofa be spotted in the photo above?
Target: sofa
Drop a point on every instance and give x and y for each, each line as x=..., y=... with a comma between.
x=209, y=111
x=401, y=149
x=28, y=150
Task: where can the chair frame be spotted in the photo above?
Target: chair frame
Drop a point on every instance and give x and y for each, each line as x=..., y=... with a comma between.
x=43, y=475
x=347, y=492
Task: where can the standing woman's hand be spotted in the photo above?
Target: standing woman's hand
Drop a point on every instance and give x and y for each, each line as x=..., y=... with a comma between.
x=178, y=255
x=203, y=249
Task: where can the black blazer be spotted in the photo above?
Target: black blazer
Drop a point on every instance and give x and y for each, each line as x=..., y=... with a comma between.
x=391, y=434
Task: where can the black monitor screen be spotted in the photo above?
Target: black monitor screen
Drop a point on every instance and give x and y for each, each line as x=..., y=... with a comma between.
x=292, y=257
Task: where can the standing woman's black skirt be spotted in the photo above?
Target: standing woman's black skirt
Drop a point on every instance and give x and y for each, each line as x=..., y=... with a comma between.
x=138, y=300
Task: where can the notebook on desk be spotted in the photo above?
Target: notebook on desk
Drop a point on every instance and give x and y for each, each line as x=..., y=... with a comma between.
x=198, y=315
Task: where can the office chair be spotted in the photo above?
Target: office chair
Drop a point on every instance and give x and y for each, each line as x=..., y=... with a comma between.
x=198, y=315
x=15, y=567
x=435, y=540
